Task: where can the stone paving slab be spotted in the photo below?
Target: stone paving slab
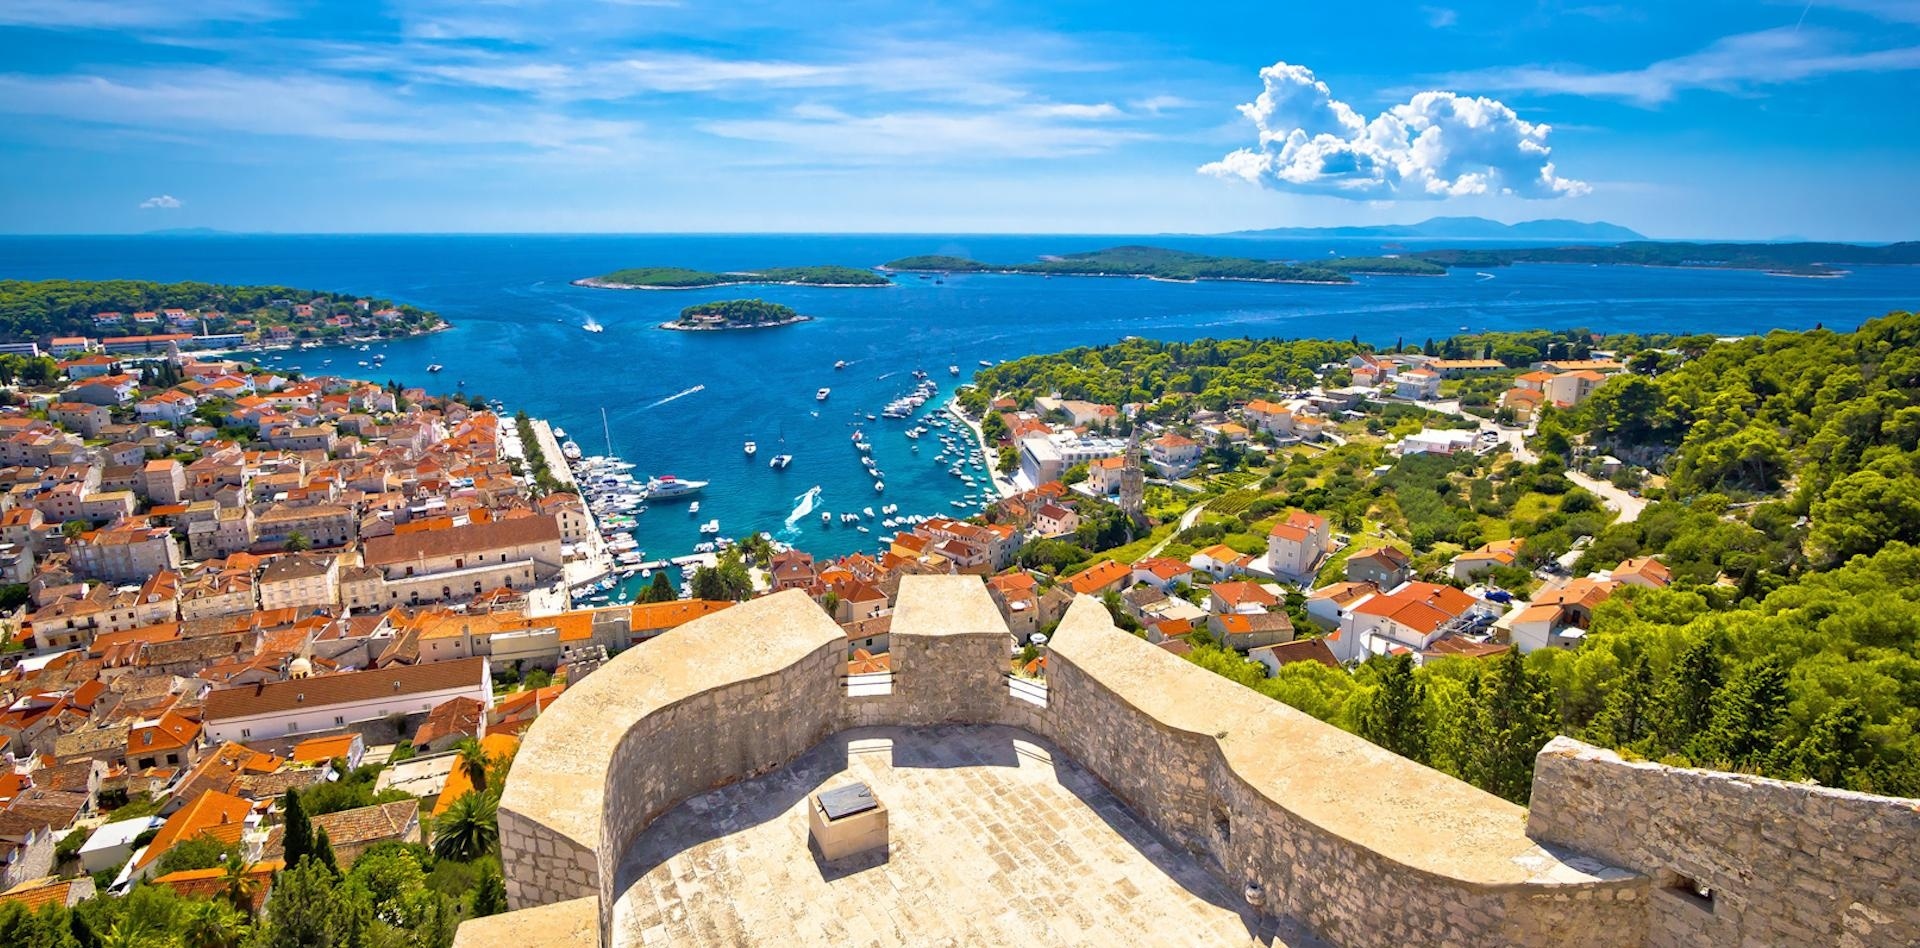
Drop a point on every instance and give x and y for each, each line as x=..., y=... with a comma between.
x=996, y=840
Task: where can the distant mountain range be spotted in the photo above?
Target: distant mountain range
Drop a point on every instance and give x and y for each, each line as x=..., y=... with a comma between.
x=1462, y=228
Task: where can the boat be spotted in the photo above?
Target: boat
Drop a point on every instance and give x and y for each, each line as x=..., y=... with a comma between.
x=750, y=448
x=570, y=451
x=879, y=486
x=825, y=518
x=953, y=370
x=593, y=326
x=710, y=527
x=780, y=462
x=840, y=364
x=693, y=508
x=560, y=433
x=821, y=395
x=667, y=487
x=435, y=367
x=986, y=363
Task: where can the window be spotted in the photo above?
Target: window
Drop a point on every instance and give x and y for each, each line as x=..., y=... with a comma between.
x=246, y=732
x=1689, y=890
x=339, y=719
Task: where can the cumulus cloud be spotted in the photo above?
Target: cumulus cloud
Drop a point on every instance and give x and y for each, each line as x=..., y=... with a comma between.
x=165, y=202
x=1436, y=145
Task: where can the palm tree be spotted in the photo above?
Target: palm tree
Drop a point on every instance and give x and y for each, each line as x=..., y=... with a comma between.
x=469, y=829
x=472, y=761
x=211, y=924
x=127, y=933
x=238, y=885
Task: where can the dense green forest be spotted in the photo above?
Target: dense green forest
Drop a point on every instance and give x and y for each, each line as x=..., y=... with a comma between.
x=1382, y=266
x=1136, y=261
x=683, y=278
x=1212, y=373
x=1802, y=258
x=31, y=309
x=1787, y=644
x=740, y=313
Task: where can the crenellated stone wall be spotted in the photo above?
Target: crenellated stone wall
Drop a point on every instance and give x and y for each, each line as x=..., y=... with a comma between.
x=1362, y=846
x=1784, y=863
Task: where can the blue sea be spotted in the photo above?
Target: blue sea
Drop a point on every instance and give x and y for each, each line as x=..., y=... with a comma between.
x=683, y=403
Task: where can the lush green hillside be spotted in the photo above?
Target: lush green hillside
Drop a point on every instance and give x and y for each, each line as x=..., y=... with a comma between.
x=683, y=278
x=1812, y=259
x=1156, y=262
x=37, y=309
x=1385, y=266
x=736, y=314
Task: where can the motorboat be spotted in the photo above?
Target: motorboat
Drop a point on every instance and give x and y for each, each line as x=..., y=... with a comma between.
x=593, y=325
x=879, y=486
x=667, y=487
x=750, y=448
x=826, y=518
x=821, y=395
x=953, y=370
x=780, y=462
x=711, y=527
x=693, y=509
x=841, y=364
x=435, y=367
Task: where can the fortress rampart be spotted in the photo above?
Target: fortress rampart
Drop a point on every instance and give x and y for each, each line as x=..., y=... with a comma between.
x=1361, y=846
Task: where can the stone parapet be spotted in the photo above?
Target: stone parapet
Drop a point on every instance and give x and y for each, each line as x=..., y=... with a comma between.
x=1735, y=859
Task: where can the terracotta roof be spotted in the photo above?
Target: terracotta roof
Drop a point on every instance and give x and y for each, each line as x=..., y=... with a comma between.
x=454, y=716
x=208, y=883
x=1099, y=575
x=319, y=691
x=1423, y=607
x=319, y=750
x=1302, y=650
x=218, y=814
x=667, y=615
x=1236, y=594
x=472, y=538
x=457, y=785
x=35, y=893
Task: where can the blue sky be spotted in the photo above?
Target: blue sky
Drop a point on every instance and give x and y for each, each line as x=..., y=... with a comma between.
x=1696, y=119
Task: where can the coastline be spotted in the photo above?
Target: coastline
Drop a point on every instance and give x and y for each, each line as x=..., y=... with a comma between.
x=599, y=284
x=676, y=326
x=1128, y=276
x=348, y=341
x=1001, y=485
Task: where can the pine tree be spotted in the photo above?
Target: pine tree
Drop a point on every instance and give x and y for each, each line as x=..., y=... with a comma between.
x=490, y=896
x=1393, y=717
x=1513, y=715
x=323, y=850
x=661, y=590
x=297, y=833
x=1626, y=718
x=1747, y=713
x=1686, y=698
x=1836, y=748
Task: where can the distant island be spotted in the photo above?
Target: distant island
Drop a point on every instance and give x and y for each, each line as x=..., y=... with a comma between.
x=734, y=314
x=1463, y=228
x=1135, y=261
x=1803, y=259
x=682, y=278
x=142, y=315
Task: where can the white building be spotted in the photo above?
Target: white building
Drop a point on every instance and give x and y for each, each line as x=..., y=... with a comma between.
x=330, y=702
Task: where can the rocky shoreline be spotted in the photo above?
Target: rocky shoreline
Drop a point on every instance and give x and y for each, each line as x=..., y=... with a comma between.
x=599, y=284
x=678, y=326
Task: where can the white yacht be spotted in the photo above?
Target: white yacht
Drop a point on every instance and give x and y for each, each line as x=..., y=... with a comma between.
x=667, y=487
x=693, y=509
x=593, y=325
x=821, y=395
x=780, y=462
x=750, y=448
x=953, y=370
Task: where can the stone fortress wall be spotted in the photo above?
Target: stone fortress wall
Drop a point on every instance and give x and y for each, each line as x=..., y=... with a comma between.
x=1362, y=846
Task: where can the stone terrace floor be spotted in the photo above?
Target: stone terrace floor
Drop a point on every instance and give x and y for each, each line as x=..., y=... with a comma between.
x=996, y=840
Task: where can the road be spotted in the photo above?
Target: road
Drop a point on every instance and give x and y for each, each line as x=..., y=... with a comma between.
x=1187, y=519
x=1627, y=505
x=1513, y=438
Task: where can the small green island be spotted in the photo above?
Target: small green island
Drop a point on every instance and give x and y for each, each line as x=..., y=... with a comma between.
x=143, y=315
x=1156, y=263
x=683, y=278
x=734, y=314
x=1785, y=259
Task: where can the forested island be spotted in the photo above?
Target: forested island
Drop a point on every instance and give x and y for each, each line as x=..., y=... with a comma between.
x=38, y=310
x=682, y=278
x=734, y=314
x=1798, y=259
x=1132, y=261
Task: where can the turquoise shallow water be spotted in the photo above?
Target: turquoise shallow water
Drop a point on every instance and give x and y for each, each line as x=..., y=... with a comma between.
x=683, y=403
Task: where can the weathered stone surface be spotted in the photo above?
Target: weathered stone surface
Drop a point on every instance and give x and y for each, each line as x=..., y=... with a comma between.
x=1786, y=863
x=1363, y=847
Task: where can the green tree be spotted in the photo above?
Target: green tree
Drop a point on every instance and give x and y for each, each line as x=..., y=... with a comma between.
x=323, y=850
x=660, y=590
x=238, y=885
x=1747, y=714
x=296, y=832
x=1836, y=748
x=1686, y=698
x=204, y=851
x=1394, y=715
x=1513, y=715
x=469, y=829
x=310, y=908
x=490, y=896
x=212, y=924
x=471, y=758
x=727, y=580
x=1627, y=716
x=298, y=542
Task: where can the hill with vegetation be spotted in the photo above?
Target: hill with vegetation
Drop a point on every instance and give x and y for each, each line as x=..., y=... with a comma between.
x=682, y=278
x=735, y=314
x=1801, y=259
x=1156, y=262
x=37, y=309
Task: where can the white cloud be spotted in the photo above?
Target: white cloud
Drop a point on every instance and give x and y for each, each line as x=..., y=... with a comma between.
x=830, y=133
x=1435, y=145
x=165, y=202
x=1732, y=64
x=129, y=14
x=1440, y=17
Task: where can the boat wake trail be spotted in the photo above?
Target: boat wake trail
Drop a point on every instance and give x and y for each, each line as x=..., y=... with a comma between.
x=696, y=388
x=802, y=507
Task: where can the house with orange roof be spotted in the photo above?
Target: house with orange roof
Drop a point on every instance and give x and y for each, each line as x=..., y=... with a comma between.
x=1491, y=555
x=1524, y=402
x=1173, y=454
x=1297, y=544
x=1099, y=579
x=318, y=751
x=1162, y=572
x=648, y=619
x=1240, y=597
x=514, y=712
x=1220, y=561
x=1243, y=631
x=207, y=884
x=1417, y=384
x=1643, y=571
x=1568, y=389
x=34, y=894
x=497, y=746
x=1328, y=605
x=171, y=740
x=1558, y=616
x=1271, y=417
x=221, y=815
x=1282, y=654
x=1383, y=566
x=1412, y=618
x=448, y=723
